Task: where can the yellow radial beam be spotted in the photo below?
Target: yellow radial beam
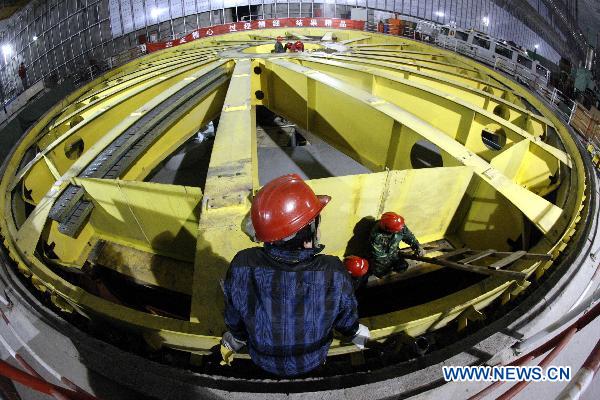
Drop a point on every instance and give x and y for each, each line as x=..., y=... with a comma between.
x=374, y=100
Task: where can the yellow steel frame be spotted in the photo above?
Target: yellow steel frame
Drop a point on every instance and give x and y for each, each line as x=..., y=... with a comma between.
x=373, y=101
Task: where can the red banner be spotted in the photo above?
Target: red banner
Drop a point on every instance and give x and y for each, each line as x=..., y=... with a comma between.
x=251, y=25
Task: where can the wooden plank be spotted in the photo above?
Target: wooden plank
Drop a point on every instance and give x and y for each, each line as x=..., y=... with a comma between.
x=477, y=256
x=527, y=256
x=469, y=268
x=443, y=247
x=411, y=272
x=145, y=268
x=508, y=260
x=453, y=253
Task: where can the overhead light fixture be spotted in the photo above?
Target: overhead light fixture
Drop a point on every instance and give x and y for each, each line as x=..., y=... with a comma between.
x=155, y=12
x=537, y=46
x=35, y=38
x=6, y=49
x=486, y=21
x=439, y=13
x=6, y=52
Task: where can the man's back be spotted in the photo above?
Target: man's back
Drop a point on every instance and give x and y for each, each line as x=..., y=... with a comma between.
x=287, y=311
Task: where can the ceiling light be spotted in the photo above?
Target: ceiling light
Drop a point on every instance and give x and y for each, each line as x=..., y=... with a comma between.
x=155, y=12
x=6, y=49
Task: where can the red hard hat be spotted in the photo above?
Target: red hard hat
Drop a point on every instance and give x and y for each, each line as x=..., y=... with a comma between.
x=357, y=266
x=391, y=222
x=283, y=207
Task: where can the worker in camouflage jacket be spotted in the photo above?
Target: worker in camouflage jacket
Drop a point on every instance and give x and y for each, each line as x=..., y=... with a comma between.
x=385, y=239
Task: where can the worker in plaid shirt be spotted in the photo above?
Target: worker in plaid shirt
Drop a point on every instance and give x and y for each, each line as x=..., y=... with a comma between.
x=285, y=299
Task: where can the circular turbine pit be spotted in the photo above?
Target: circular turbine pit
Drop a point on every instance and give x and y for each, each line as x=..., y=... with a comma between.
x=123, y=205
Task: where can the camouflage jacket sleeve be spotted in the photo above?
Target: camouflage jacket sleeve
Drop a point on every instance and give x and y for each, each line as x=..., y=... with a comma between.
x=409, y=238
x=375, y=244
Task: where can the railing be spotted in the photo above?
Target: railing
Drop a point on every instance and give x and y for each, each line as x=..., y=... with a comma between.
x=587, y=124
x=561, y=104
x=8, y=109
x=125, y=56
x=89, y=72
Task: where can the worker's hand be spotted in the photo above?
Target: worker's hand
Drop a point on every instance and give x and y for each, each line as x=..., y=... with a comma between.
x=361, y=336
x=419, y=252
x=226, y=355
x=229, y=346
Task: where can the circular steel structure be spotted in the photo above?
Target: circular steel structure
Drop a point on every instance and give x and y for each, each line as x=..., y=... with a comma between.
x=469, y=158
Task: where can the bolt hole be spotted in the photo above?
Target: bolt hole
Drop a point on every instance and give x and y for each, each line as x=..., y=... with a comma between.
x=421, y=345
x=257, y=70
x=494, y=138
x=74, y=148
x=75, y=121
x=502, y=111
x=259, y=94
x=425, y=154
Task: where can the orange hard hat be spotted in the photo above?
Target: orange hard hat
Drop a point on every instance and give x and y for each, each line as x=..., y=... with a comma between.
x=356, y=266
x=391, y=222
x=283, y=207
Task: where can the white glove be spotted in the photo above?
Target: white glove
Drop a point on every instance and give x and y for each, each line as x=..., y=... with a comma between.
x=232, y=343
x=361, y=336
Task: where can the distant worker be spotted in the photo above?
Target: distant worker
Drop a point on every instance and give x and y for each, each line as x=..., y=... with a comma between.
x=385, y=239
x=299, y=46
x=23, y=75
x=279, y=48
x=290, y=46
x=358, y=268
x=284, y=300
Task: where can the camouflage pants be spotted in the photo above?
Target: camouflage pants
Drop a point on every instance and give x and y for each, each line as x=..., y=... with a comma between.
x=383, y=266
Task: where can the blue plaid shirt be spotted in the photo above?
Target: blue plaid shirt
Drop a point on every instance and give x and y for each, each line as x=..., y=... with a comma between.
x=286, y=305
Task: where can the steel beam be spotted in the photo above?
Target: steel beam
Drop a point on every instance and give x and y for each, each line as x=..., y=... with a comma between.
x=230, y=182
x=387, y=62
x=383, y=114
x=533, y=123
x=459, y=119
x=101, y=118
